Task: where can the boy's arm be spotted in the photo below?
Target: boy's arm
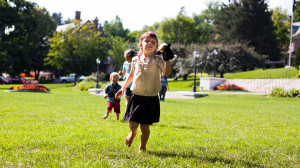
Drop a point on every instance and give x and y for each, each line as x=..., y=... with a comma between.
x=105, y=92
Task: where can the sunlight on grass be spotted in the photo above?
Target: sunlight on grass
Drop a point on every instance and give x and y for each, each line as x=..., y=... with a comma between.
x=65, y=129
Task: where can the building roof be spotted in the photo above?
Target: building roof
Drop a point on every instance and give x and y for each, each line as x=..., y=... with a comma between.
x=296, y=26
x=70, y=26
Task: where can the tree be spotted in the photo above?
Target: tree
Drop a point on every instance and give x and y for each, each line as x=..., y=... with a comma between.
x=115, y=28
x=296, y=11
x=16, y=43
x=57, y=18
x=179, y=30
x=207, y=21
x=249, y=21
x=282, y=26
x=45, y=27
x=118, y=45
x=230, y=58
x=77, y=48
x=297, y=58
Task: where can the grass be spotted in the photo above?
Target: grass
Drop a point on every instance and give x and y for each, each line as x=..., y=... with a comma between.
x=260, y=73
x=65, y=129
x=187, y=85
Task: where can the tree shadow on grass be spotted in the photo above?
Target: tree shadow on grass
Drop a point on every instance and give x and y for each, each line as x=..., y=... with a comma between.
x=203, y=158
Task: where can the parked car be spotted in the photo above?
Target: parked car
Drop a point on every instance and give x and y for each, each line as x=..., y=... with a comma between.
x=71, y=78
x=21, y=80
x=3, y=80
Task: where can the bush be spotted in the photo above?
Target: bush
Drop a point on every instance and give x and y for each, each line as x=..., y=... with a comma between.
x=279, y=92
x=89, y=82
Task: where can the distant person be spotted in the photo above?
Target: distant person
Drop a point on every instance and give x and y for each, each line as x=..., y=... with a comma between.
x=110, y=91
x=164, y=87
x=143, y=107
x=128, y=54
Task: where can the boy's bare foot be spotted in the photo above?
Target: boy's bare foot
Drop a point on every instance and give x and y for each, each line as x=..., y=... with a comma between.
x=129, y=139
x=104, y=117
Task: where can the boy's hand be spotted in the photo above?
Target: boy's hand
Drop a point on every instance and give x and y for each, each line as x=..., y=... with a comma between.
x=105, y=96
x=118, y=94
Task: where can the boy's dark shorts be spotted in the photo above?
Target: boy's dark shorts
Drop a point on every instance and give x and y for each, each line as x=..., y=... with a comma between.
x=128, y=92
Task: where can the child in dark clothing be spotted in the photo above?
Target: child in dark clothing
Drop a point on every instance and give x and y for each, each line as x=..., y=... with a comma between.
x=110, y=92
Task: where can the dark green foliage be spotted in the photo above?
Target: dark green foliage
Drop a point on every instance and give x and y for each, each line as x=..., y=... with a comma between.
x=206, y=22
x=57, y=18
x=297, y=58
x=249, y=21
x=296, y=16
x=182, y=29
x=115, y=28
x=25, y=47
x=230, y=58
x=77, y=48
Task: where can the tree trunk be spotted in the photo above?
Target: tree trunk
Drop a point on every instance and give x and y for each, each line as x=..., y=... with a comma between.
x=221, y=75
x=185, y=76
x=36, y=74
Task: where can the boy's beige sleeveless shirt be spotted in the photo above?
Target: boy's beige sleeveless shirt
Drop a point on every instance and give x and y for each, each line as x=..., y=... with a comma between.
x=146, y=81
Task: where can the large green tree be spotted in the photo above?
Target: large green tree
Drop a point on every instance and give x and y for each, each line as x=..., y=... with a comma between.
x=249, y=21
x=57, y=18
x=39, y=48
x=77, y=48
x=297, y=58
x=118, y=45
x=16, y=43
x=182, y=29
x=296, y=8
x=206, y=22
x=229, y=58
x=282, y=26
x=115, y=28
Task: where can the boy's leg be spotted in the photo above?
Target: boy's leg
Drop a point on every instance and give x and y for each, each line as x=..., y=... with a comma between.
x=117, y=114
x=133, y=130
x=106, y=115
x=109, y=108
x=145, y=133
x=117, y=109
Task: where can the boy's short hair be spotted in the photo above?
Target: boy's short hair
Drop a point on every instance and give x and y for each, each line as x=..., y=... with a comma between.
x=128, y=54
x=114, y=74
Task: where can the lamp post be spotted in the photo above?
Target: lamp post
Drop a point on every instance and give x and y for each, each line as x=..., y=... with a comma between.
x=196, y=55
x=98, y=61
x=215, y=54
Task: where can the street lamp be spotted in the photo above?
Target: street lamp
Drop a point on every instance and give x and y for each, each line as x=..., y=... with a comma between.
x=196, y=55
x=215, y=54
x=98, y=61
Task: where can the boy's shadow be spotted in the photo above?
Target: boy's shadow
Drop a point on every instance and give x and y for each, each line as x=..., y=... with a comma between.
x=202, y=158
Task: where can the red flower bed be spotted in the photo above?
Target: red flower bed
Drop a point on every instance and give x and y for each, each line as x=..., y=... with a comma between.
x=229, y=87
x=29, y=88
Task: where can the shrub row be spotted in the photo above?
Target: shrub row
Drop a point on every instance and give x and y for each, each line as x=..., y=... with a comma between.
x=279, y=92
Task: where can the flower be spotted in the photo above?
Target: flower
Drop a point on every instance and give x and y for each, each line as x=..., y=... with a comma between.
x=30, y=88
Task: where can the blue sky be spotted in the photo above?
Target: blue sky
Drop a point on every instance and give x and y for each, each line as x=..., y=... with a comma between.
x=135, y=14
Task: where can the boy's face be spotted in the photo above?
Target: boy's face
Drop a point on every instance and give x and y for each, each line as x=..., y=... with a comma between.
x=114, y=79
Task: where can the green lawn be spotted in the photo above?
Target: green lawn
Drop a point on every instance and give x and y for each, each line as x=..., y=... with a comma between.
x=65, y=129
x=289, y=73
